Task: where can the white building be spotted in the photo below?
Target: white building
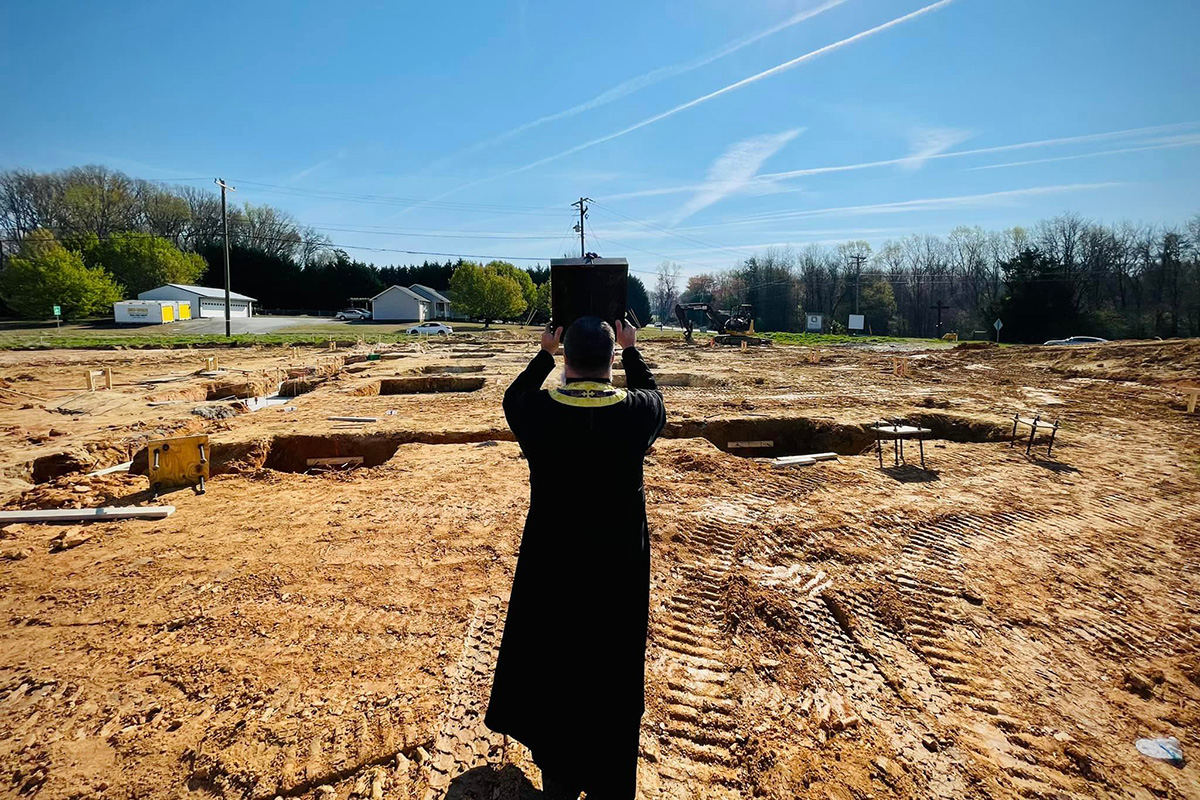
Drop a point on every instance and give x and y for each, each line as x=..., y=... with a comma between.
x=397, y=304
x=439, y=303
x=206, y=301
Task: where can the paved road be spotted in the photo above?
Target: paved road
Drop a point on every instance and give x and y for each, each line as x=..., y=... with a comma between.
x=251, y=325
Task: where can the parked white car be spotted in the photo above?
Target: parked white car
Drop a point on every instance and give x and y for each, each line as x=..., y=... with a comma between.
x=1079, y=340
x=354, y=313
x=430, y=328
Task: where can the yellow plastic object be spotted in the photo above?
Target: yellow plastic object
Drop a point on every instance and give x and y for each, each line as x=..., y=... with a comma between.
x=178, y=463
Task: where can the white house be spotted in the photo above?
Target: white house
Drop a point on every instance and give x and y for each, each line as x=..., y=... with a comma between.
x=439, y=303
x=206, y=301
x=396, y=303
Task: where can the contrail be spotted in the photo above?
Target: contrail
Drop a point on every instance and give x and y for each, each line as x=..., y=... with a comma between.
x=640, y=82
x=829, y=48
x=769, y=178
x=925, y=204
x=1183, y=141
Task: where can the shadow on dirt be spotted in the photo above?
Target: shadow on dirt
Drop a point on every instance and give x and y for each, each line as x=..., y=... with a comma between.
x=486, y=783
x=908, y=473
x=1055, y=466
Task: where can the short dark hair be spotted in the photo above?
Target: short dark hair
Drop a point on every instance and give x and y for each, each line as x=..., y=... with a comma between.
x=588, y=345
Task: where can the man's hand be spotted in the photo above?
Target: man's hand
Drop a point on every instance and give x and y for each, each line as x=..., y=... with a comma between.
x=626, y=335
x=551, y=337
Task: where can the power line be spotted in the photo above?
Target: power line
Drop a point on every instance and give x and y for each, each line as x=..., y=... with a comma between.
x=376, y=199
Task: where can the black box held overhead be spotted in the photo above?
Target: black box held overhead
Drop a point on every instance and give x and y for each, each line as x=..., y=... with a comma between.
x=582, y=287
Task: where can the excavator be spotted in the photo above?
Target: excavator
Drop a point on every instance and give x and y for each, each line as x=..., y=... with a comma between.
x=734, y=329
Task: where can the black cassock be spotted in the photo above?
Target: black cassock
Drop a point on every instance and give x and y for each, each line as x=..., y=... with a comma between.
x=569, y=681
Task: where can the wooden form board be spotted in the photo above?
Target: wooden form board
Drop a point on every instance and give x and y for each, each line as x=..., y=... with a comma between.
x=335, y=461
x=750, y=445
x=85, y=514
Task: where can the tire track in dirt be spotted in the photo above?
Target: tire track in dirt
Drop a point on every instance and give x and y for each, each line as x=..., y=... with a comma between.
x=695, y=743
x=931, y=572
x=464, y=742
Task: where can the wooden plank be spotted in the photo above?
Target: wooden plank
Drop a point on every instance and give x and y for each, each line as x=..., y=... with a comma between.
x=353, y=419
x=810, y=456
x=749, y=445
x=110, y=470
x=335, y=461
x=86, y=514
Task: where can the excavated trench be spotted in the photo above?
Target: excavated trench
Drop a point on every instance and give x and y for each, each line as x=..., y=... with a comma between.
x=423, y=385
x=752, y=437
x=766, y=437
x=447, y=369
x=675, y=379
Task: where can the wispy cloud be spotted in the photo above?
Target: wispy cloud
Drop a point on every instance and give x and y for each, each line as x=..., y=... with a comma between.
x=767, y=180
x=925, y=204
x=767, y=73
x=734, y=169
x=643, y=81
x=1066, y=140
x=320, y=165
x=1170, y=143
x=930, y=142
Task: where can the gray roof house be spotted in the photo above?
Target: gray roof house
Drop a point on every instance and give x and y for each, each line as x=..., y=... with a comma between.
x=439, y=303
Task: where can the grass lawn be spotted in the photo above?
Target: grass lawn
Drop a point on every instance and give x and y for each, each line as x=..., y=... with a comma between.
x=103, y=334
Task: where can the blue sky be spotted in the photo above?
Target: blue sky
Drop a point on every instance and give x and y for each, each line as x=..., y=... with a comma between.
x=704, y=130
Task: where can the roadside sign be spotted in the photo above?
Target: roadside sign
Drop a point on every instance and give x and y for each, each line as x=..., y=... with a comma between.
x=58, y=311
x=57, y=317
x=997, y=325
x=857, y=322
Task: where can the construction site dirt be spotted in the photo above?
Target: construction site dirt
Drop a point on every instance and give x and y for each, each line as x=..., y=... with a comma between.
x=322, y=622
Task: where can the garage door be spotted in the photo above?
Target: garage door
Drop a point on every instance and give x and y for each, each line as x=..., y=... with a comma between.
x=216, y=308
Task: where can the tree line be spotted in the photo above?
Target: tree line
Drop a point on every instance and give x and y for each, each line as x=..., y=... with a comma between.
x=83, y=236
x=1062, y=276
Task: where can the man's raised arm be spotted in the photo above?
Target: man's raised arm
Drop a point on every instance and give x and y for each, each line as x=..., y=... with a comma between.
x=637, y=374
x=531, y=379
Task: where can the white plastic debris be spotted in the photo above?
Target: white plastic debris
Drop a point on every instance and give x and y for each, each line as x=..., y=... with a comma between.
x=1167, y=749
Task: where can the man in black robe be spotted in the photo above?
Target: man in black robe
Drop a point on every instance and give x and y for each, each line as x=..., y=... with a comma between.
x=569, y=681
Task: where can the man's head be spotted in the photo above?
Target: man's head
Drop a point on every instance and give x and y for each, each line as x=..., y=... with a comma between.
x=588, y=348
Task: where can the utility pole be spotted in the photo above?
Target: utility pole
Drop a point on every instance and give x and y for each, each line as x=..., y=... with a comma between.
x=583, y=209
x=939, y=308
x=225, y=229
x=858, y=262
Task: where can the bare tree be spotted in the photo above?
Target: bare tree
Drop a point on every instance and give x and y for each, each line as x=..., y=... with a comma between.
x=666, y=290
